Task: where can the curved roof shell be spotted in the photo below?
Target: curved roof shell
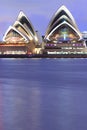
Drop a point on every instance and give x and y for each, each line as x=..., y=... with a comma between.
x=64, y=25
x=13, y=35
x=62, y=16
x=24, y=27
x=22, y=18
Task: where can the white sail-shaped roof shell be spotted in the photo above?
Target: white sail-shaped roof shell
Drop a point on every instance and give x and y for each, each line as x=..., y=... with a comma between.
x=11, y=28
x=27, y=24
x=64, y=15
x=24, y=27
x=58, y=21
x=64, y=23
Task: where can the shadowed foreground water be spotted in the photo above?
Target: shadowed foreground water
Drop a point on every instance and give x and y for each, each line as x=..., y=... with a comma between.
x=43, y=94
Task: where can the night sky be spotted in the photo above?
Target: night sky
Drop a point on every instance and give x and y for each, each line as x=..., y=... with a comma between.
x=40, y=12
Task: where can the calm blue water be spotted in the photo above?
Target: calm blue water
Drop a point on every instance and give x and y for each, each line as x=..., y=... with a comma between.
x=43, y=94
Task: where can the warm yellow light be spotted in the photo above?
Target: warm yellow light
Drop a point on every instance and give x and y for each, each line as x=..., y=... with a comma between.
x=36, y=39
x=31, y=38
x=37, y=50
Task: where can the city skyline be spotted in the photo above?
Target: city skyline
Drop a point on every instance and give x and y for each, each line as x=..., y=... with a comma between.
x=40, y=13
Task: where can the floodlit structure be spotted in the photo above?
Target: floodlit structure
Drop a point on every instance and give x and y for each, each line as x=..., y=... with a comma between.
x=62, y=34
x=23, y=29
x=22, y=32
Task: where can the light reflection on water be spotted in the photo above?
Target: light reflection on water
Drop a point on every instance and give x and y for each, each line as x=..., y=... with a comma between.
x=43, y=94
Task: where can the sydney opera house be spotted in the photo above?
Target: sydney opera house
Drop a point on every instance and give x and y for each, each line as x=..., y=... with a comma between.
x=20, y=38
x=62, y=36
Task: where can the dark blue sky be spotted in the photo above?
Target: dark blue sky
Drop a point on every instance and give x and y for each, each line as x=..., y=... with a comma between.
x=40, y=12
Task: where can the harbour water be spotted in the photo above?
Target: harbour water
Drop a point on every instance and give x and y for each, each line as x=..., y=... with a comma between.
x=43, y=94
